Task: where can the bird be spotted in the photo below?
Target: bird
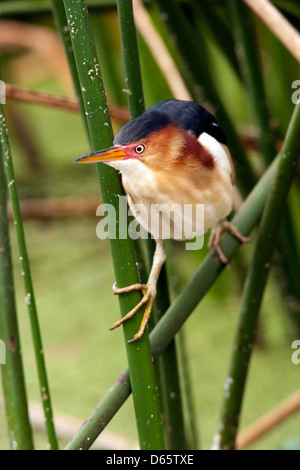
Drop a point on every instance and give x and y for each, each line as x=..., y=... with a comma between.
x=172, y=155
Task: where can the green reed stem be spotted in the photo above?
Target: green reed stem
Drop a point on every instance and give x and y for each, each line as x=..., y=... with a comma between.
x=20, y=432
x=61, y=23
x=131, y=61
x=256, y=282
x=167, y=364
x=29, y=291
x=250, y=64
x=122, y=249
x=196, y=70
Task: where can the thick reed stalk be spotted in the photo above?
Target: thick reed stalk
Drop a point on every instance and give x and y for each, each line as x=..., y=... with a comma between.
x=29, y=294
x=16, y=407
x=249, y=61
x=253, y=76
x=256, y=282
x=122, y=249
x=168, y=367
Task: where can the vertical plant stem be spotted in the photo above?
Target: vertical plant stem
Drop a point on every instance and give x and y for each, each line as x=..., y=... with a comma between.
x=61, y=22
x=220, y=30
x=98, y=121
x=29, y=292
x=167, y=364
x=192, y=418
x=255, y=284
x=169, y=379
x=278, y=24
x=281, y=79
x=20, y=433
x=250, y=65
x=193, y=54
x=131, y=61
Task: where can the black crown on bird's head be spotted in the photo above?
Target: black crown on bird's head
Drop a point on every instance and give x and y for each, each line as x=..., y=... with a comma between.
x=188, y=115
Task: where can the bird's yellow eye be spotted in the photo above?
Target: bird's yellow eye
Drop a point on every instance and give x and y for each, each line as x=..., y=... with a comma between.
x=139, y=148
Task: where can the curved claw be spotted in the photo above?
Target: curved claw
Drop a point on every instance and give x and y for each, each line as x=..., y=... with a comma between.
x=216, y=234
x=148, y=290
x=149, y=294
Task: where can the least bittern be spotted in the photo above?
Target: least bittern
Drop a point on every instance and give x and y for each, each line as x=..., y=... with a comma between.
x=175, y=153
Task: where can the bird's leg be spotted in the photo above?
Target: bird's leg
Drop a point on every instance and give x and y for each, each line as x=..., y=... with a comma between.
x=216, y=234
x=148, y=290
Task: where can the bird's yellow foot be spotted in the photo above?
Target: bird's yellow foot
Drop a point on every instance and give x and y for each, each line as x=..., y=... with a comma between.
x=216, y=234
x=149, y=294
x=148, y=291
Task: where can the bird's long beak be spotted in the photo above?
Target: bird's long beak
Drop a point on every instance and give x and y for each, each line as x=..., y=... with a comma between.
x=108, y=155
